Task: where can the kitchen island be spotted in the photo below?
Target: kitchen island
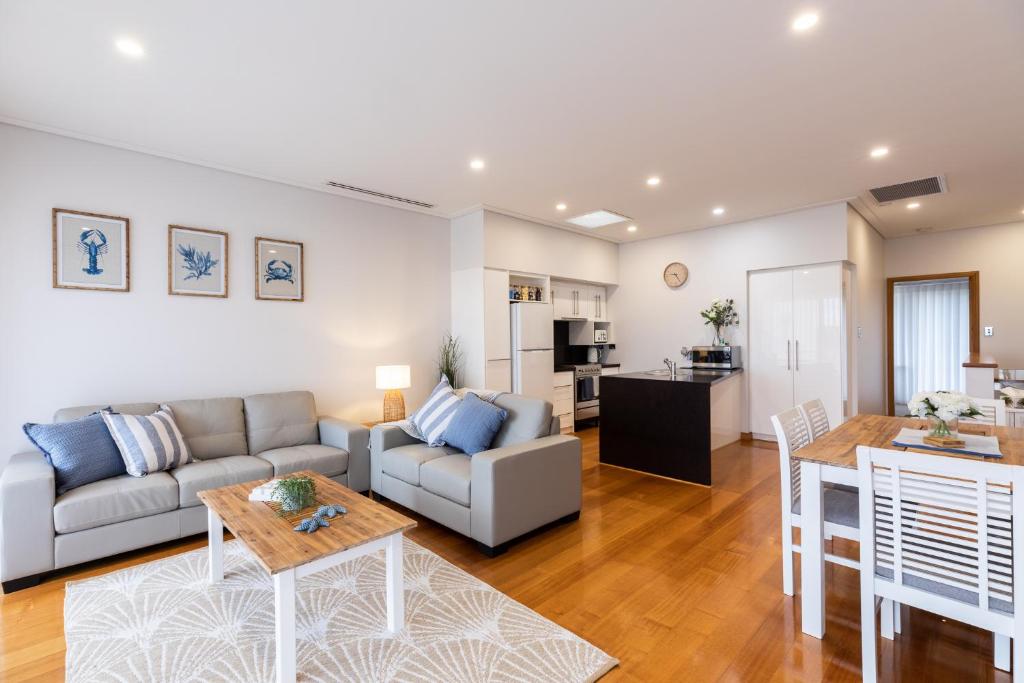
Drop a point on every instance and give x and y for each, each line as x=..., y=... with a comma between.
x=667, y=425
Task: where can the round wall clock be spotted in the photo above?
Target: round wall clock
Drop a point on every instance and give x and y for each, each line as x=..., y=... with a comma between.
x=675, y=275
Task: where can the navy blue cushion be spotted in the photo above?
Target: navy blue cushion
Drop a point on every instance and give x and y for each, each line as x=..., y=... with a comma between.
x=474, y=425
x=81, y=451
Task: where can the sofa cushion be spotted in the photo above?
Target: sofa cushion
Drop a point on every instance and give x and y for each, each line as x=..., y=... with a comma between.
x=327, y=460
x=448, y=477
x=474, y=425
x=528, y=419
x=210, y=474
x=114, y=500
x=80, y=451
x=404, y=462
x=436, y=412
x=278, y=420
x=68, y=414
x=148, y=443
x=212, y=427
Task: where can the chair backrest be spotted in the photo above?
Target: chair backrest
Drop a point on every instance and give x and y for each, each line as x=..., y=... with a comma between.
x=792, y=433
x=817, y=418
x=941, y=530
x=993, y=411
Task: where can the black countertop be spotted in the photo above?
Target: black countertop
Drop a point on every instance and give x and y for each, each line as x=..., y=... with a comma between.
x=692, y=376
x=569, y=368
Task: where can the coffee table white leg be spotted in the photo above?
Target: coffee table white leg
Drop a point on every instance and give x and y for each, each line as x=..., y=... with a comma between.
x=215, y=532
x=284, y=625
x=395, y=585
x=812, y=555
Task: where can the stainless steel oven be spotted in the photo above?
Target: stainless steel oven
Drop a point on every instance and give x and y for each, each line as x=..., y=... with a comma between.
x=588, y=391
x=718, y=357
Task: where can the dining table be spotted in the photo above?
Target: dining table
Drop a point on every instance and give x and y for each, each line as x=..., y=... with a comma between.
x=832, y=458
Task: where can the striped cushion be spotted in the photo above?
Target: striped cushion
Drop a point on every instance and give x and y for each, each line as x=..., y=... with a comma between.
x=148, y=443
x=433, y=417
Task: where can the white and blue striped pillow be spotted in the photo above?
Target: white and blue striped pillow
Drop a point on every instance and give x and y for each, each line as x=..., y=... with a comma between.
x=433, y=417
x=148, y=443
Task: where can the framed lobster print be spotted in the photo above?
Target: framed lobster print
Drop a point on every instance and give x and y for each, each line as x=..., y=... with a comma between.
x=90, y=251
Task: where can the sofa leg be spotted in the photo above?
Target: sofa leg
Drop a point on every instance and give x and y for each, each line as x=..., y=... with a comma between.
x=492, y=551
x=569, y=518
x=22, y=583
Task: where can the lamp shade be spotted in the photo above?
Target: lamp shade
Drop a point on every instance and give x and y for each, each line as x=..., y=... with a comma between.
x=393, y=377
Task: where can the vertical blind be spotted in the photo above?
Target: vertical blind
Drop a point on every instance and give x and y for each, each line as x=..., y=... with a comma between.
x=931, y=336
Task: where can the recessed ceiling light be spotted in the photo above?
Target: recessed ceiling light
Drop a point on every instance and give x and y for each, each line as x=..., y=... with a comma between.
x=477, y=164
x=130, y=47
x=654, y=180
x=914, y=205
x=718, y=210
x=631, y=228
x=560, y=206
x=598, y=219
x=879, y=152
x=805, y=21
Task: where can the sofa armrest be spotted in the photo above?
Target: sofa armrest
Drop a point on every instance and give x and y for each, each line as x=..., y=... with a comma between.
x=514, y=490
x=384, y=437
x=354, y=438
x=26, y=516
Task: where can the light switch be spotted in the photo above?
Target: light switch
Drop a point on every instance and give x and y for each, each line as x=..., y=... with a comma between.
x=988, y=330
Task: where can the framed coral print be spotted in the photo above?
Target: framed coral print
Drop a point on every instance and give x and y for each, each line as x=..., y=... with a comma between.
x=279, y=270
x=197, y=261
x=90, y=251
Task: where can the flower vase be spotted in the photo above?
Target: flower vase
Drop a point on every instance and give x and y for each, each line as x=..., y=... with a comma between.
x=719, y=338
x=943, y=428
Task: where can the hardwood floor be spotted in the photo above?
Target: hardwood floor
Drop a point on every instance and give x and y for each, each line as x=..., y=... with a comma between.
x=679, y=582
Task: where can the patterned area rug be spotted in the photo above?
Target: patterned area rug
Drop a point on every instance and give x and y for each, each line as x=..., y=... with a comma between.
x=163, y=621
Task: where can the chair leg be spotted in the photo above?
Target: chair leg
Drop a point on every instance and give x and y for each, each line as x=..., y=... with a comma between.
x=787, y=558
x=897, y=619
x=885, y=614
x=1018, y=657
x=1002, y=651
x=869, y=663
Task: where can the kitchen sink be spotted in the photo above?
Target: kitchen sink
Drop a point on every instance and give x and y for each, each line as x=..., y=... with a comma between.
x=660, y=372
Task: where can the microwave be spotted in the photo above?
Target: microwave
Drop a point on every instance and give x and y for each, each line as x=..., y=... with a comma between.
x=717, y=357
x=600, y=336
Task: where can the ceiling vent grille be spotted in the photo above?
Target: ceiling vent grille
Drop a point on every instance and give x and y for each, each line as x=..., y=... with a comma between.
x=380, y=195
x=909, y=189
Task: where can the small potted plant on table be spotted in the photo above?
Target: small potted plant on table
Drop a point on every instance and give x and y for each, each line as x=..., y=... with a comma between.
x=295, y=493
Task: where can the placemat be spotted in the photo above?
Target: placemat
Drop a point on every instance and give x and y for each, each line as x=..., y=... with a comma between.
x=985, y=446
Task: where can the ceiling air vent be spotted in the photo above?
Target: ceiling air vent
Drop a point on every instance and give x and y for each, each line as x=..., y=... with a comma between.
x=909, y=189
x=380, y=195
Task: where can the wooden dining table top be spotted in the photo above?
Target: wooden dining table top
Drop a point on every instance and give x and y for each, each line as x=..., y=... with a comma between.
x=839, y=446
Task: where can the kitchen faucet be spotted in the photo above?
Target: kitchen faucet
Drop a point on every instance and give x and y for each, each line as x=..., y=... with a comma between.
x=671, y=366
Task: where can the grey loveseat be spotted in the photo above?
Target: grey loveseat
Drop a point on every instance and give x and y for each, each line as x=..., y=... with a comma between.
x=531, y=477
x=232, y=440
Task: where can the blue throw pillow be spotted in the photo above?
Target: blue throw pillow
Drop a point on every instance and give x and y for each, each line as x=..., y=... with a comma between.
x=81, y=451
x=474, y=425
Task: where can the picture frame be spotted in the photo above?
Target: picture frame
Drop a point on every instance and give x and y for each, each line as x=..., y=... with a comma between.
x=280, y=270
x=197, y=262
x=91, y=251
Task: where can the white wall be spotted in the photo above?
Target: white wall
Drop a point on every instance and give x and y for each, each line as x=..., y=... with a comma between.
x=866, y=250
x=996, y=251
x=515, y=244
x=653, y=321
x=377, y=289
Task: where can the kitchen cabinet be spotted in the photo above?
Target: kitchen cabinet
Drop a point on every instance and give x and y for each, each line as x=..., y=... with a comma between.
x=563, y=299
x=798, y=331
x=497, y=344
x=579, y=301
x=609, y=371
x=564, y=401
x=498, y=375
x=1015, y=417
x=596, y=295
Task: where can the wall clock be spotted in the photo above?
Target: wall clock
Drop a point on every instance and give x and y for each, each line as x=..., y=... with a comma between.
x=675, y=275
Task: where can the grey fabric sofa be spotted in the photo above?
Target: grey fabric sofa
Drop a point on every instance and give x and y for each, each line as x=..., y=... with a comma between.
x=531, y=477
x=232, y=440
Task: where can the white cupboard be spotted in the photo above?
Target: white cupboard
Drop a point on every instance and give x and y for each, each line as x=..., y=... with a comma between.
x=498, y=375
x=564, y=401
x=798, y=330
x=579, y=301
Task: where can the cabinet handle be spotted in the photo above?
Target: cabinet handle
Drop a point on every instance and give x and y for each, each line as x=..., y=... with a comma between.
x=797, y=344
x=789, y=353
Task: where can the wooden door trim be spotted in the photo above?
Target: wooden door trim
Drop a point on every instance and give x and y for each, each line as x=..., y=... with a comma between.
x=974, y=334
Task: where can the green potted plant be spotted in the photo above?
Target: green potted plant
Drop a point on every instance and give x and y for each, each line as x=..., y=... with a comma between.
x=295, y=493
x=449, y=359
x=720, y=315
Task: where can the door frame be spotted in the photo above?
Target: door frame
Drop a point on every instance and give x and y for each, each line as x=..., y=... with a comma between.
x=974, y=334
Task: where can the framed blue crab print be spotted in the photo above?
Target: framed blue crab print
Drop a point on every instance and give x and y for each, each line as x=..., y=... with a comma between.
x=279, y=270
x=197, y=261
x=90, y=251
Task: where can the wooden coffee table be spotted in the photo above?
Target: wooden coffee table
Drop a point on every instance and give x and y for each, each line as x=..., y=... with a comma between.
x=291, y=555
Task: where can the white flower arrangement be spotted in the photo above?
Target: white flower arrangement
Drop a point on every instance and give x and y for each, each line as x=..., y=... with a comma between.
x=942, y=405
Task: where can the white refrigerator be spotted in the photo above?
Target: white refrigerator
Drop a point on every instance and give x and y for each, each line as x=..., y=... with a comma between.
x=533, y=355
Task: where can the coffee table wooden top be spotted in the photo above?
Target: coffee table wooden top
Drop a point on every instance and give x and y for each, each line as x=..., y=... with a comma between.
x=274, y=542
x=839, y=446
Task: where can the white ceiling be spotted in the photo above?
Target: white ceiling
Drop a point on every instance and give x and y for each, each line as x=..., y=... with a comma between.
x=576, y=101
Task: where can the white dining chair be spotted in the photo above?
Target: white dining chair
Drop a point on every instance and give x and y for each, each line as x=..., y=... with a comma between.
x=993, y=412
x=816, y=417
x=939, y=535
x=840, y=506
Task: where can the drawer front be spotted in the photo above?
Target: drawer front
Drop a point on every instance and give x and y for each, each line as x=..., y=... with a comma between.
x=609, y=371
x=566, y=422
x=563, y=379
